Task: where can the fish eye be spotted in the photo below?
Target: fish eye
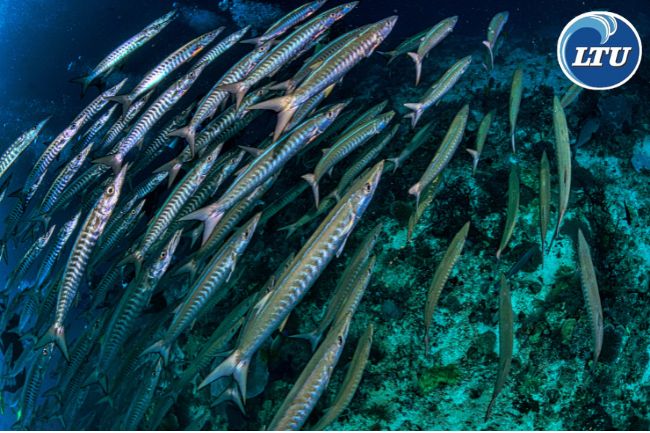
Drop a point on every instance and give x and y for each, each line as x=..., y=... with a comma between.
x=210, y=158
x=45, y=351
x=367, y=187
x=110, y=190
x=163, y=255
x=133, y=212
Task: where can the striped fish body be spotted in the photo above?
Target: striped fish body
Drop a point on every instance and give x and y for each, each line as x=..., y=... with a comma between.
x=78, y=356
x=140, y=191
x=220, y=48
x=37, y=174
x=170, y=64
x=116, y=129
x=76, y=265
x=350, y=142
x=63, y=179
x=18, y=147
x=269, y=162
x=177, y=198
x=29, y=258
x=515, y=102
x=305, y=110
x=282, y=202
x=409, y=44
x=496, y=26
x=294, y=17
x=119, y=55
x=327, y=241
x=290, y=47
x=143, y=396
x=313, y=381
x=132, y=303
x=419, y=138
x=445, y=152
x=79, y=185
x=343, y=60
x=210, y=103
x=55, y=249
x=207, y=287
x=149, y=118
x=357, y=167
x=31, y=388
x=435, y=35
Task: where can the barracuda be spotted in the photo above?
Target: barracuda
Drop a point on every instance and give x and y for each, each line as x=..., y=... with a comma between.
x=37, y=174
x=343, y=147
x=116, y=129
x=444, y=153
x=327, y=241
x=269, y=162
x=86, y=239
x=329, y=72
x=130, y=308
x=218, y=272
x=18, y=147
x=28, y=259
x=56, y=248
x=439, y=89
x=168, y=211
x=288, y=49
x=172, y=62
x=63, y=179
x=215, y=97
x=121, y=53
x=429, y=41
x=281, y=26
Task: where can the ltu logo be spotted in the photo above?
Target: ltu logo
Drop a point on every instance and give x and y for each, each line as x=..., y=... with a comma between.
x=599, y=50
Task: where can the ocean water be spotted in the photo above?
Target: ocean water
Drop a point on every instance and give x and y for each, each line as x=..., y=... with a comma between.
x=443, y=379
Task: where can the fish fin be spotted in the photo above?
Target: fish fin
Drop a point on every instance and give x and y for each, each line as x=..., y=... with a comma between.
x=252, y=150
x=238, y=89
x=489, y=47
x=106, y=399
x=395, y=163
x=161, y=348
x=55, y=334
x=311, y=180
x=189, y=134
x=4, y=255
x=85, y=81
x=475, y=156
x=329, y=89
x=312, y=337
x=512, y=139
x=417, y=112
x=113, y=161
x=415, y=190
x=19, y=194
x=232, y=366
x=284, y=85
x=418, y=66
x=135, y=258
x=231, y=394
x=325, y=150
x=209, y=217
x=189, y=267
x=124, y=100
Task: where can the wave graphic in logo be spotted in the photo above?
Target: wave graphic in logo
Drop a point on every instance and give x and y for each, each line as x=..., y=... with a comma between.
x=599, y=50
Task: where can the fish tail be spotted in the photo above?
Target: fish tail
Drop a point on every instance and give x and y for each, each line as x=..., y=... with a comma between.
x=395, y=163
x=233, y=366
x=230, y=394
x=311, y=180
x=418, y=66
x=209, y=217
x=124, y=100
x=189, y=134
x=189, y=267
x=474, y=154
x=113, y=161
x=489, y=47
x=417, y=112
x=135, y=258
x=512, y=139
x=96, y=377
x=161, y=347
x=238, y=89
x=390, y=55
x=284, y=106
x=4, y=255
x=172, y=168
x=416, y=190
x=312, y=337
x=85, y=81
x=285, y=85
x=55, y=334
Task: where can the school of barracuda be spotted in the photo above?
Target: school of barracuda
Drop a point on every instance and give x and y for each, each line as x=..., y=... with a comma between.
x=178, y=231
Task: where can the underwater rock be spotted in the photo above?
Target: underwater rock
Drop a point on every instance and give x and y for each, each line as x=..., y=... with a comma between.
x=641, y=156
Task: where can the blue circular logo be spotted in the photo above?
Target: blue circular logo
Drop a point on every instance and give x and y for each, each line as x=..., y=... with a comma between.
x=599, y=50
